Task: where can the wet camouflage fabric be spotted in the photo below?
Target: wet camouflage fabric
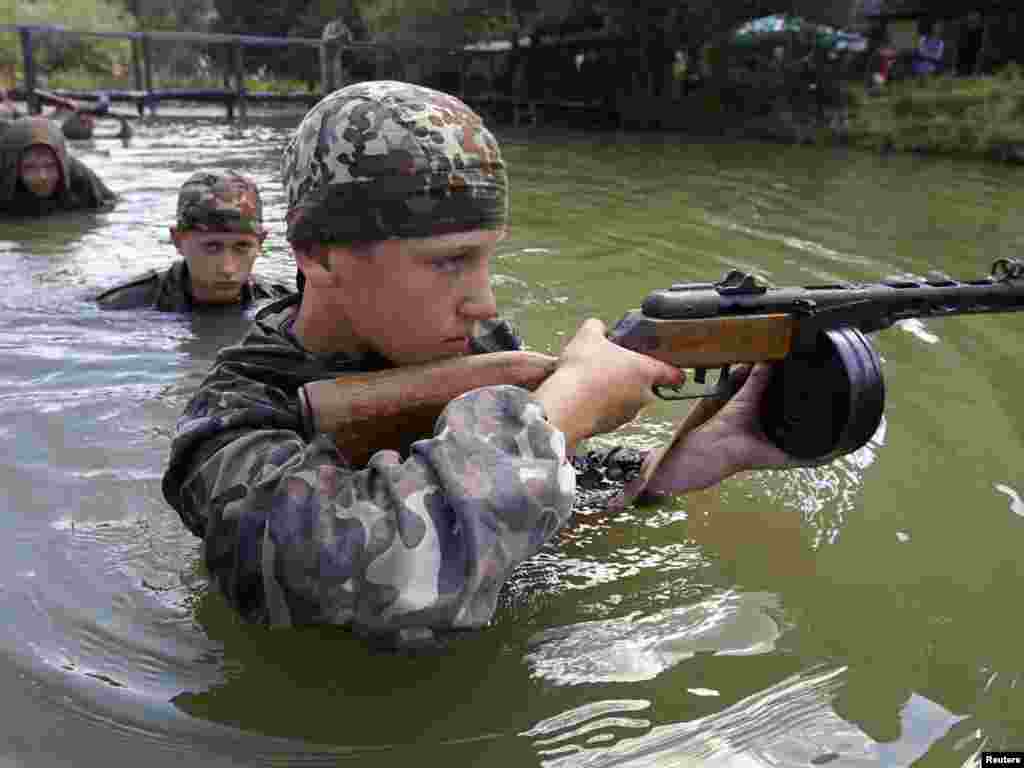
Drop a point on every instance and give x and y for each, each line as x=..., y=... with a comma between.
x=601, y=473
x=79, y=188
x=220, y=202
x=168, y=291
x=384, y=159
x=398, y=549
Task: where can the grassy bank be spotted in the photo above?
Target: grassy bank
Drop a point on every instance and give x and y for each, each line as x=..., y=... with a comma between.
x=981, y=116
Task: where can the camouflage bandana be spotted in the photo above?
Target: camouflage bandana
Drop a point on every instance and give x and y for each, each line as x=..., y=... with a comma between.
x=383, y=159
x=220, y=202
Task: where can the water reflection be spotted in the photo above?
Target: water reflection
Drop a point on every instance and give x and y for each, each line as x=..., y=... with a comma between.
x=635, y=647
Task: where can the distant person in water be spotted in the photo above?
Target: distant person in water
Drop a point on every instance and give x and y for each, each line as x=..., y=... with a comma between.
x=38, y=176
x=8, y=110
x=219, y=233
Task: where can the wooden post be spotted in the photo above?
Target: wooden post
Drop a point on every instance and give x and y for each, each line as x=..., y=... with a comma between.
x=462, y=74
x=399, y=62
x=238, y=64
x=325, y=75
x=28, y=58
x=147, y=70
x=335, y=77
x=137, y=64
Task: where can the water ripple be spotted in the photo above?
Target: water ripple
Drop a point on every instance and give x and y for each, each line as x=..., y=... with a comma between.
x=640, y=647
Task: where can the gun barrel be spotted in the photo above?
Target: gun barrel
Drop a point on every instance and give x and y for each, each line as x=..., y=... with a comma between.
x=867, y=307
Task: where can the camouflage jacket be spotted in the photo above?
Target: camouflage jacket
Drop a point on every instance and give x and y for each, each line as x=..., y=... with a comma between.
x=168, y=291
x=398, y=549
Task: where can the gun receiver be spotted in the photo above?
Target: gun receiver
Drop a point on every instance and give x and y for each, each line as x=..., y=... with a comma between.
x=827, y=394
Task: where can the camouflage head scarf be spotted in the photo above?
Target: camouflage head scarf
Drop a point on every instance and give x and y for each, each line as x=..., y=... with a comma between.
x=383, y=159
x=220, y=202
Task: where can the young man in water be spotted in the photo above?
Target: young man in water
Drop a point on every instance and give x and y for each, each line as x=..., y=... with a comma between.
x=219, y=235
x=38, y=176
x=397, y=199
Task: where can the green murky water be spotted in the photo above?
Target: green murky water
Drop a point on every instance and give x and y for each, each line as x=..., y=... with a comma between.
x=865, y=613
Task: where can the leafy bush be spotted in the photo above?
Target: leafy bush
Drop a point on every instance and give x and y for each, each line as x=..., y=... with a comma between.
x=1011, y=73
x=943, y=114
x=55, y=51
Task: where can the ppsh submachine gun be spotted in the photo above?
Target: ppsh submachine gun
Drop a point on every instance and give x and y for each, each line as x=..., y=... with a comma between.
x=827, y=393
x=826, y=396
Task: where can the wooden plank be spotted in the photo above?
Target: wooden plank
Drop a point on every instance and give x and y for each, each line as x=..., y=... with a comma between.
x=194, y=37
x=211, y=37
x=187, y=94
x=67, y=102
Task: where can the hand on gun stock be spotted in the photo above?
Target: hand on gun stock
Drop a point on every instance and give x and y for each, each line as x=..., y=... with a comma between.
x=594, y=387
x=598, y=385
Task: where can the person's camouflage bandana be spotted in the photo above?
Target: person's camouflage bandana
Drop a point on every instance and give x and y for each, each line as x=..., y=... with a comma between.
x=220, y=202
x=384, y=159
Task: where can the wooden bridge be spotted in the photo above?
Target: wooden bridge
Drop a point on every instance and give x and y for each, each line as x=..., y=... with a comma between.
x=145, y=96
x=236, y=97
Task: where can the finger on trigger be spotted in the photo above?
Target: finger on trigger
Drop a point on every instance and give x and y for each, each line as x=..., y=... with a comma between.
x=671, y=376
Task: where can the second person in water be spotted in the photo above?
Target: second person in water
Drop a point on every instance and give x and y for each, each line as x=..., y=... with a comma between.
x=219, y=234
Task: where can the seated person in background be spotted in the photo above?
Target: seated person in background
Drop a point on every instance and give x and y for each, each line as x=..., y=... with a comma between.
x=928, y=57
x=397, y=199
x=38, y=176
x=219, y=234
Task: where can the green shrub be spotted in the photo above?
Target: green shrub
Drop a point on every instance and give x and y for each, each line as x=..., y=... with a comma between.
x=957, y=115
x=902, y=106
x=1011, y=73
x=1018, y=110
x=56, y=51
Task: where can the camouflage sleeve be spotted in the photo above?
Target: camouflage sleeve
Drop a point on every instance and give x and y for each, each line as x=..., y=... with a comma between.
x=396, y=549
x=135, y=294
x=87, y=188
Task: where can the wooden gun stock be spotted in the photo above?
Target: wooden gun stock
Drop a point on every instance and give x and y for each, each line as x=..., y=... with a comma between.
x=368, y=412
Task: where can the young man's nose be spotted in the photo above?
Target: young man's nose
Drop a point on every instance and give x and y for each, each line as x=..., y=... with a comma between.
x=230, y=265
x=479, y=303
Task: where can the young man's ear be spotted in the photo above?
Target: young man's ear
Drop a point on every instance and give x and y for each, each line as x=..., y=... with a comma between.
x=312, y=260
x=176, y=236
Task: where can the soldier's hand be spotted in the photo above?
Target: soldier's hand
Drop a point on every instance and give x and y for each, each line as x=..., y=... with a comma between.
x=599, y=386
x=731, y=441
